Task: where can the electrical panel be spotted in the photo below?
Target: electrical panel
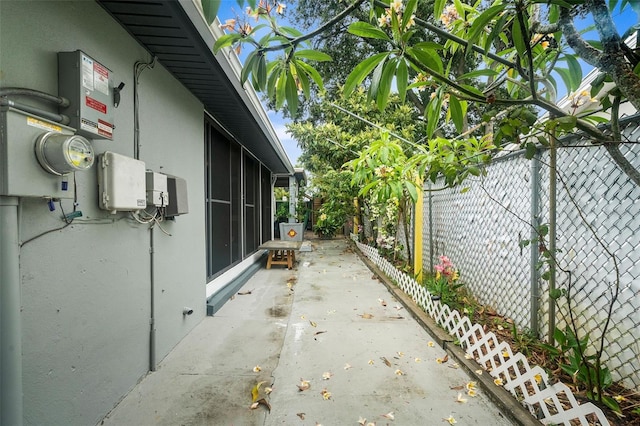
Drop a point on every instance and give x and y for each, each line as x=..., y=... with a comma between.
x=178, y=199
x=89, y=87
x=20, y=172
x=157, y=194
x=121, y=183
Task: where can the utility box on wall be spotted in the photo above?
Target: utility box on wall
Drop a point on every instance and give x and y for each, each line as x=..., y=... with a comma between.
x=122, y=183
x=20, y=173
x=89, y=87
x=178, y=199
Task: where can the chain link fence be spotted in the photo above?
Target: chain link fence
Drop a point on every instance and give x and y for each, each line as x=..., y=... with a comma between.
x=598, y=229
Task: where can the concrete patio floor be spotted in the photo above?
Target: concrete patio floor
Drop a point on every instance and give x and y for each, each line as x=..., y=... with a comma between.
x=324, y=322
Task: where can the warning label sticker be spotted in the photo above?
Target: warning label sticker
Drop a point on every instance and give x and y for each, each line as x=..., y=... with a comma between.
x=101, y=78
x=96, y=104
x=87, y=72
x=105, y=129
x=89, y=126
x=34, y=122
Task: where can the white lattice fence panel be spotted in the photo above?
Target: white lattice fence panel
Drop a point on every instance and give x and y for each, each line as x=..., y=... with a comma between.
x=529, y=385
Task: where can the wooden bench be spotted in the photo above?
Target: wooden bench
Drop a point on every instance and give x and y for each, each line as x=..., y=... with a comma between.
x=281, y=252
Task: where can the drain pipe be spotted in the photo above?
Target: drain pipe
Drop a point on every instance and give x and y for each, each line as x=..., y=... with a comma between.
x=152, y=319
x=11, y=404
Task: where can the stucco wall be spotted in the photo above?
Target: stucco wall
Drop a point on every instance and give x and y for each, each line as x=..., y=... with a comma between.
x=86, y=288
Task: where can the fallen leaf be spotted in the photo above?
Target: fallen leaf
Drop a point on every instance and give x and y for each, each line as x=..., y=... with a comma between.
x=244, y=293
x=505, y=354
x=362, y=421
x=301, y=415
x=347, y=366
x=366, y=316
x=257, y=369
x=313, y=324
x=498, y=382
x=382, y=302
x=418, y=360
x=399, y=372
x=538, y=378
x=370, y=362
x=500, y=328
x=479, y=372
x=254, y=405
x=430, y=344
x=398, y=307
x=326, y=394
x=326, y=375
x=468, y=356
x=386, y=361
x=460, y=398
x=472, y=392
x=264, y=402
x=451, y=420
x=302, y=317
x=255, y=391
x=471, y=386
x=397, y=317
x=456, y=387
x=233, y=297
x=319, y=332
x=268, y=390
x=389, y=415
x=304, y=385
x=454, y=365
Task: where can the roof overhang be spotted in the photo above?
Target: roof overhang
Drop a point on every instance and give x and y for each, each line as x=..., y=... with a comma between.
x=176, y=32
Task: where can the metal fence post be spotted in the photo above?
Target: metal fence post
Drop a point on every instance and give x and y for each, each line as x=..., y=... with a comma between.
x=534, y=250
x=430, y=231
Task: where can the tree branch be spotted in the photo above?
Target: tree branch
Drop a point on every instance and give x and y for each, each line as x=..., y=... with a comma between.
x=295, y=41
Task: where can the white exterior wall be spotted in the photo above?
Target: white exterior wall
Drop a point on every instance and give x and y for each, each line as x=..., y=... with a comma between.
x=86, y=289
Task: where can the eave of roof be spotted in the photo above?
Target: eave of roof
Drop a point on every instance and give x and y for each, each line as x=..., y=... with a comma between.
x=176, y=33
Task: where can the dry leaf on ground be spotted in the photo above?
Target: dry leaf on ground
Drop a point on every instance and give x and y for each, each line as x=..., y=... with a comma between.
x=304, y=385
x=389, y=415
x=366, y=316
x=244, y=293
x=301, y=415
x=255, y=391
x=386, y=361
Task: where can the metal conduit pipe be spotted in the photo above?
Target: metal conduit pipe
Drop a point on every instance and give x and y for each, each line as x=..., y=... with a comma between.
x=11, y=404
x=59, y=118
x=21, y=91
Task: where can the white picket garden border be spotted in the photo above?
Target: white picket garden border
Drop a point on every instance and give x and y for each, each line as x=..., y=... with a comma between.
x=531, y=386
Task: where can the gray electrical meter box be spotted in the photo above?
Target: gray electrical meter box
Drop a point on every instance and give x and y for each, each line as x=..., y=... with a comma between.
x=89, y=87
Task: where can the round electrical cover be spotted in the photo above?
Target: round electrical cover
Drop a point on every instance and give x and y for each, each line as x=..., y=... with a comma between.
x=59, y=154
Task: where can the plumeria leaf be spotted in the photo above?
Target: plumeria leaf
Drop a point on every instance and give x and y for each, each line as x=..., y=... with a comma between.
x=402, y=79
x=385, y=83
x=480, y=23
x=361, y=71
x=518, y=37
x=210, y=9
x=311, y=72
x=226, y=40
x=457, y=115
x=314, y=55
x=366, y=30
x=291, y=91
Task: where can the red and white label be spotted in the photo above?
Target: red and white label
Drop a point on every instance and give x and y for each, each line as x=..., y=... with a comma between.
x=95, y=104
x=101, y=78
x=105, y=129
